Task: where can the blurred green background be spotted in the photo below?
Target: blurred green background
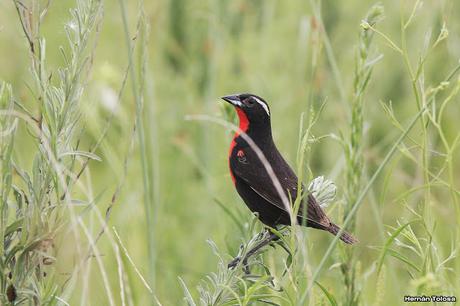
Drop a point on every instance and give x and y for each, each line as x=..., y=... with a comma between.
x=201, y=50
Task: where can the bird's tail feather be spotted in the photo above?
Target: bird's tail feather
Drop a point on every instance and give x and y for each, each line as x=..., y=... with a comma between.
x=345, y=237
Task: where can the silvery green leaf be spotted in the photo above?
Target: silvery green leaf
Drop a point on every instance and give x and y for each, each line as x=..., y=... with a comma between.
x=323, y=190
x=82, y=153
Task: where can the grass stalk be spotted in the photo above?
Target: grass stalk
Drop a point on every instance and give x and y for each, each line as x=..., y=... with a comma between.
x=316, y=6
x=146, y=179
x=44, y=195
x=354, y=147
x=359, y=201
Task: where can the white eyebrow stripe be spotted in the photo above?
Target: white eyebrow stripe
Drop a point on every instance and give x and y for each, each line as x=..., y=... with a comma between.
x=264, y=105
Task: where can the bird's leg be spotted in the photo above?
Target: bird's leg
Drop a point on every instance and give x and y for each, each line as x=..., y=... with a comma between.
x=257, y=247
x=268, y=240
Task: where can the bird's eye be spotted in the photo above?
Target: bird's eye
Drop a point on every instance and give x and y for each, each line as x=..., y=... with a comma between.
x=250, y=102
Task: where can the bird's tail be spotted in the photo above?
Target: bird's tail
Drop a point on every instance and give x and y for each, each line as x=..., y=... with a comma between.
x=345, y=237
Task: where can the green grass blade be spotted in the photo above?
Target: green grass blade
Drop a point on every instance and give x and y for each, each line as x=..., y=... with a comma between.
x=360, y=200
x=328, y=295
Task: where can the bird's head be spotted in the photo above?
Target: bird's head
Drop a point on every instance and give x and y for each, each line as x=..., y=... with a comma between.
x=250, y=108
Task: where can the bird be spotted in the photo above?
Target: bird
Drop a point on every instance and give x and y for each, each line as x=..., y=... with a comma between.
x=254, y=184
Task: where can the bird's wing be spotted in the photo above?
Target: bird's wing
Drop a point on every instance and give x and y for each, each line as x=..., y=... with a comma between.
x=250, y=169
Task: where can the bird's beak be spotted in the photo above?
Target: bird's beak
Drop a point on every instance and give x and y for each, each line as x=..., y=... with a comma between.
x=233, y=100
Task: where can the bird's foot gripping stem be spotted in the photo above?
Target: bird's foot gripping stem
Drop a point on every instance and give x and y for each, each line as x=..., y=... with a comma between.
x=245, y=257
x=236, y=261
x=232, y=264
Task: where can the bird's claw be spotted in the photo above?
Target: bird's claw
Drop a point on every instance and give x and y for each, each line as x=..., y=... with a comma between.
x=246, y=267
x=236, y=261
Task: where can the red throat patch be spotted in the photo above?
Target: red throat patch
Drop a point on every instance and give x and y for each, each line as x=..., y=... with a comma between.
x=244, y=125
x=244, y=121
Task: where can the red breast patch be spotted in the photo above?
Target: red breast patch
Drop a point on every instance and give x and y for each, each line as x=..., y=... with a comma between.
x=244, y=125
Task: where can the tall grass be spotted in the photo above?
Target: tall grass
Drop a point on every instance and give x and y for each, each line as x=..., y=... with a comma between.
x=37, y=202
x=138, y=91
x=228, y=284
x=88, y=216
x=354, y=147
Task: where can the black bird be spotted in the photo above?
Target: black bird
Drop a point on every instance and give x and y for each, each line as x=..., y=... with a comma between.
x=253, y=182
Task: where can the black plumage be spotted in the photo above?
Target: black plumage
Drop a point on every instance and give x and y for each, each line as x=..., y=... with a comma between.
x=252, y=180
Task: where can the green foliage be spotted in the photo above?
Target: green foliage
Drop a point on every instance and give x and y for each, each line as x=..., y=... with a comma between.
x=355, y=143
x=79, y=152
x=34, y=201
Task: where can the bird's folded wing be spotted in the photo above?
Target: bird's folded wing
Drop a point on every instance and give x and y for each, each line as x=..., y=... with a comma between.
x=253, y=172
